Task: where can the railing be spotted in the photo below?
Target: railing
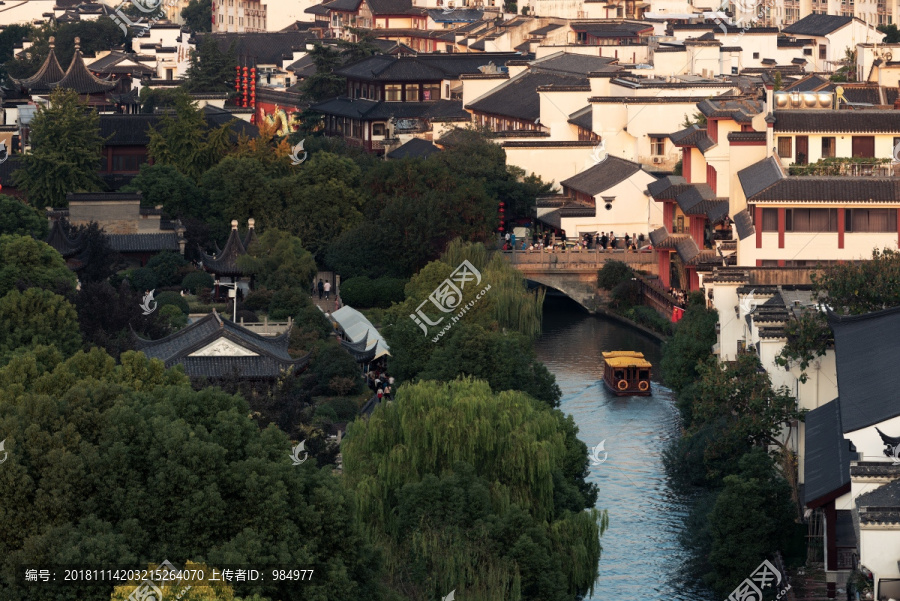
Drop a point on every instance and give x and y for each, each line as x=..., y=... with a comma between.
x=846, y=558
x=576, y=259
x=872, y=168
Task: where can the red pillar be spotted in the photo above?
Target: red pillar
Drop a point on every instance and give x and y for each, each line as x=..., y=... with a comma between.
x=780, y=228
x=841, y=228
x=663, y=258
x=758, y=221
x=686, y=163
x=698, y=226
x=693, y=278
x=669, y=216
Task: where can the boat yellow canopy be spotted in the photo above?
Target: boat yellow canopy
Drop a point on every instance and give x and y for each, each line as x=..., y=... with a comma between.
x=612, y=354
x=629, y=361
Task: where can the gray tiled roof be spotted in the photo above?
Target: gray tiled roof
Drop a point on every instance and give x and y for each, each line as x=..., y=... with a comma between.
x=880, y=506
x=578, y=64
x=612, y=30
x=831, y=189
x=741, y=110
x=426, y=67
x=225, y=261
x=667, y=188
x=49, y=73
x=744, y=225
x=415, y=148
x=827, y=459
x=759, y=176
x=856, y=121
x=461, y=15
x=143, y=242
x=692, y=196
x=81, y=80
x=518, y=97
x=175, y=349
x=818, y=25
x=866, y=350
x=371, y=110
x=390, y=7
x=583, y=118
x=602, y=176
x=263, y=48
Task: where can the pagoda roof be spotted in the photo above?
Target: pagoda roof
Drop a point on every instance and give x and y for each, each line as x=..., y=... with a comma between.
x=49, y=73
x=225, y=261
x=80, y=79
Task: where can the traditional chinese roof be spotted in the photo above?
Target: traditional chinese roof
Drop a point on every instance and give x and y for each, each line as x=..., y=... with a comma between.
x=214, y=347
x=744, y=224
x=81, y=80
x=60, y=240
x=416, y=148
x=49, y=73
x=119, y=63
x=827, y=460
x=817, y=25
x=602, y=176
x=225, y=261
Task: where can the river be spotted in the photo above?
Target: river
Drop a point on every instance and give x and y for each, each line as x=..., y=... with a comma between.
x=642, y=558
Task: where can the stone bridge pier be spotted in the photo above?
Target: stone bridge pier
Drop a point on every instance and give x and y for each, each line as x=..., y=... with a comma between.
x=575, y=273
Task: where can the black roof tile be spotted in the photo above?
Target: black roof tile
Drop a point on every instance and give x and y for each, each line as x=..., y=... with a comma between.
x=126, y=243
x=759, y=176
x=845, y=121
x=81, y=80
x=818, y=25
x=602, y=176
x=827, y=460
x=667, y=188
x=518, y=97
x=415, y=148
x=831, y=189
x=744, y=225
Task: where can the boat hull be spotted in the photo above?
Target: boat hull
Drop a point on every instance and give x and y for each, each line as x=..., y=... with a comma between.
x=628, y=391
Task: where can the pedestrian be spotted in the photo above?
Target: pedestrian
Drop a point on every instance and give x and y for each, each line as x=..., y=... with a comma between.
x=327, y=289
x=380, y=394
x=512, y=240
x=388, y=392
x=627, y=240
x=641, y=241
x=604, y=241
x=391, y=380
x=321, y=288
x=507, y=237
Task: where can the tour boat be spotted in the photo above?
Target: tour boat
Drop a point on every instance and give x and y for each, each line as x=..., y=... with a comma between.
x=626, y=373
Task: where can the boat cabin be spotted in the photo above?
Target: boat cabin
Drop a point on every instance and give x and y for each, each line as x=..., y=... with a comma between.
x=626, y=373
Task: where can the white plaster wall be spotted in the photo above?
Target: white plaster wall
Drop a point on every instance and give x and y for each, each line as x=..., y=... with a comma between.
x=473, y=89
x=869, y=443
x=731, y=328
x=822, y=246
x=552, y=164
x=555, y=110
x=843, y=144
x=25, y=11
x=631, y=210
x=879, y=550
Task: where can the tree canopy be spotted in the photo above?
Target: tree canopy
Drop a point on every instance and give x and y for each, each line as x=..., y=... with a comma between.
x=278, y=260
x=37, y=317
x=108, y=449
x=29, y=263
x=18, y=218
x=198, y=15
x=476, y=491
x=65, y=151
x=211, y=70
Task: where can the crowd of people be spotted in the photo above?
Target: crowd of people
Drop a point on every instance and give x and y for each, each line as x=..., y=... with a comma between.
x=679, y=295
x=598, y=241
x=381, y=384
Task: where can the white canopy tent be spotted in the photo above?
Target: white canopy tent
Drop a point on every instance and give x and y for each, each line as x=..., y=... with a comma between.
x=356, y=328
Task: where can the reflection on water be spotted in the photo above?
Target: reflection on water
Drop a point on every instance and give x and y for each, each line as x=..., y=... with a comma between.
x=642, y=558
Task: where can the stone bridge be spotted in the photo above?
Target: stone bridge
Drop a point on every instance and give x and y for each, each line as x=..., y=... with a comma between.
x=575, y=273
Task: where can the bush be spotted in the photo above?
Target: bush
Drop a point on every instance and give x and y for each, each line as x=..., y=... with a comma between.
x=325, y=414
x=626, y=294
x=346, y=409
x=143, y=279
x=196, y=281
x=311, y=319
x=612, y=274
x=342, y=385
x=173, y=298
x=248, y=316
x=288, y=302
x=648, y=317
x=332, y=361
x=176, y=318
x=259, y=300
x=166, y=266
x=364, y=292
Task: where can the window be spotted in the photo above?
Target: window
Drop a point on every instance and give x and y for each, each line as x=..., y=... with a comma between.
x=822, y=52
x=807, y=52
x=582, y=37
x=770, y=220
x=392, y=92
x=864, y=146
x=828, y=145
x=785, y=149
x=378, y=129
x=870, y=220
x=412, y=92
x=679, y=224
x=657, y=146
x=127, y=162
x=756, y=55
x=810, y=220
x=431, y=91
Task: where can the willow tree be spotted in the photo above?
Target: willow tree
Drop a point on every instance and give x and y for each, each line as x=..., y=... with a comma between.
x=480, y=492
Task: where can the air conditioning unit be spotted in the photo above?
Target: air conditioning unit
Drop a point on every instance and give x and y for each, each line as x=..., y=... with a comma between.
x=657, y=160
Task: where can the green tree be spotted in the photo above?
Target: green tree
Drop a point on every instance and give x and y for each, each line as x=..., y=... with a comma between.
x=109, y=448
x=164, y=185
x=278, y=260
x=186, y=142
x=10, y=37
x=37, y=317
x=18, y=218
x=94, y=35
x=198, y=15
x=65, y=151
x=892, y=34
x=751, y=519
x=100, y=260
x=211, y=70
x=239, y=188
x=692, y=342
x=168, y=268
x=324, y=84
x=464, y=488
x=29, y=263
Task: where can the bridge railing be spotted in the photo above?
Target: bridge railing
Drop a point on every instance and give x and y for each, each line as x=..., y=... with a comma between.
x=576, y=259
x=656, y=296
